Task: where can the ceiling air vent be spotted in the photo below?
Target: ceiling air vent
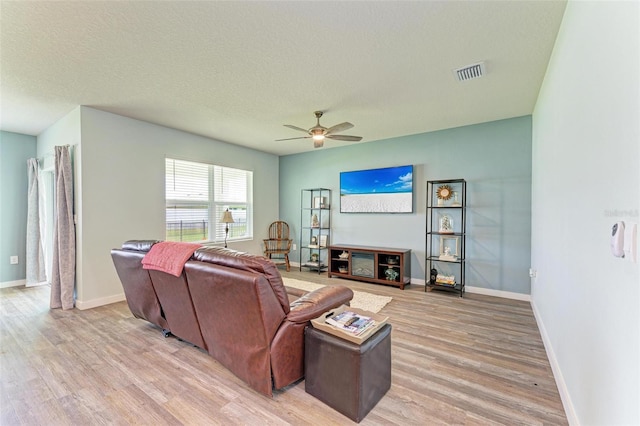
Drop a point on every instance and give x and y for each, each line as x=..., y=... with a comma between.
x=470, y=72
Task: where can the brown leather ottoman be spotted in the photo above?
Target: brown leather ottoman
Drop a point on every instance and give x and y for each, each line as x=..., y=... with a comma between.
x=349, y=378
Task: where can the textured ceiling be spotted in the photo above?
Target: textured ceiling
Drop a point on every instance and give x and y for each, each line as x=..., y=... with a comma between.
x=237, y=71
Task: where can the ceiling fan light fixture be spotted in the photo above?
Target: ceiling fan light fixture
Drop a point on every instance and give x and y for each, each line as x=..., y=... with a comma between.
x=317, y=134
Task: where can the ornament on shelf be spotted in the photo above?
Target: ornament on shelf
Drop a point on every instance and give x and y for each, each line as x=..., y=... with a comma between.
x=456, y=202
x=446, y=224
x=443, y=193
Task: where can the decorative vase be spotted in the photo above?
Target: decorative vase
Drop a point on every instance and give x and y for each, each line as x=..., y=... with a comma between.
x=455, y=203
x=391, y=274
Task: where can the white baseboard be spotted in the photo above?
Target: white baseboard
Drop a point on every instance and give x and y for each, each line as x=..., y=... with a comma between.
x=80, y=304
x=38, y=284
x=499, y=293
x=486, y=291
x=89, y=304
x=470, y=289
x=565, y=397
x=17, y=283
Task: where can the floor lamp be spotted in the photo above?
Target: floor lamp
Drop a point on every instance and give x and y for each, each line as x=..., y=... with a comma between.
x=226, y=219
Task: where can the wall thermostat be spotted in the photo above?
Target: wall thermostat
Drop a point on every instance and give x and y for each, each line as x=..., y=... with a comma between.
x=617, y=239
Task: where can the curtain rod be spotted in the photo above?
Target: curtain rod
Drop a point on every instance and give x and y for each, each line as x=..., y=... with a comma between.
x=50, y=154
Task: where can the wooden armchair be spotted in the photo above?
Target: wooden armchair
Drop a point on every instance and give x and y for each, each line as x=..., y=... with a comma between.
x=278, y=243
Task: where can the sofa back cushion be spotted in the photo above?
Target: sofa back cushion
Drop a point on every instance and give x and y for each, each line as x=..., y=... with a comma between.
x=138, y=289
x=239, y=316
x=139, y=245
x=246, y=262
x=177, y=306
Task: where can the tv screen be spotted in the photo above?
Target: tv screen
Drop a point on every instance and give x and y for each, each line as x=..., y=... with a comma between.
x=387, y=190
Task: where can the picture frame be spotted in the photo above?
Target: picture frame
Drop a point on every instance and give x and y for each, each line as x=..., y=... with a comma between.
x=380, y=190
x=320, y=203
x=449, y=248
x=313, y=241
x=323, y=240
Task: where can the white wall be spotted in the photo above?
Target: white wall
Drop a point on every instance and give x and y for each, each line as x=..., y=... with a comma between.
x=586, y=158
x=120, y=190
x=65, y=131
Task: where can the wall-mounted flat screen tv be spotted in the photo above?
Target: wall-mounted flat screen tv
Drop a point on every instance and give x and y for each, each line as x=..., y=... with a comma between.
x=386, y=190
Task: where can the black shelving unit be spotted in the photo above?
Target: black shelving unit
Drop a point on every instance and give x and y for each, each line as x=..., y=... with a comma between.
x=315, y=228
x=446, y=235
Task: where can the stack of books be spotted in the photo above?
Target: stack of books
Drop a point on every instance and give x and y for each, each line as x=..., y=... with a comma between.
x=446, y=279
x=367, y=324
x=351, y=322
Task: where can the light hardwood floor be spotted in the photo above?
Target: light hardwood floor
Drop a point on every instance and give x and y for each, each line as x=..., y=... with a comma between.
x=476, y=360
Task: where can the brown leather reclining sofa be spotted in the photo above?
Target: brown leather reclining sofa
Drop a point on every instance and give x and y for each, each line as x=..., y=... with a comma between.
x=233, y=305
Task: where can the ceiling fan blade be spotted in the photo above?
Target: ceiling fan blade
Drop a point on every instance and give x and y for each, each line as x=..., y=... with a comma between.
x=318, y=144
x=290, y=139
x=345, y=138
x=296, y=128
x=339, y=128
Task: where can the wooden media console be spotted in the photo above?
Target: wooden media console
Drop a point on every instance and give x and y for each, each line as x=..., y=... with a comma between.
x=379, y=265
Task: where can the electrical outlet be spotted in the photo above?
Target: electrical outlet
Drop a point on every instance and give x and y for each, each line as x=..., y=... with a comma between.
x=294, y=247
x=533, y=273
x=13, y=260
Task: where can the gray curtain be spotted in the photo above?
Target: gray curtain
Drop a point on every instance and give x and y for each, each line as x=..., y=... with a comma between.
x=63, y=272
x=35, y=252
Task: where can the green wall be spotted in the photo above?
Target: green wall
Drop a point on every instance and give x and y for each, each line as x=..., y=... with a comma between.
x=15, y=149
x=495, y=159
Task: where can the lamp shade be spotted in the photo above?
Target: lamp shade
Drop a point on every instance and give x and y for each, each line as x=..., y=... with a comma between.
x=226, y=217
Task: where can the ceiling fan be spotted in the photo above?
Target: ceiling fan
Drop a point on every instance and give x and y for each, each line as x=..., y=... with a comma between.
x=318, y=133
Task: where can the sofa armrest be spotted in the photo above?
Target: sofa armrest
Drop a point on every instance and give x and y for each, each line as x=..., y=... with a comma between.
x=317, y=302
x=295, y=292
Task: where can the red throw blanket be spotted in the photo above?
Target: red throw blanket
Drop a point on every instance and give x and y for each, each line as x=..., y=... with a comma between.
x=169, y=257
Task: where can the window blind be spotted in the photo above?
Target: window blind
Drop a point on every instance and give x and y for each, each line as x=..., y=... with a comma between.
x=198, y=194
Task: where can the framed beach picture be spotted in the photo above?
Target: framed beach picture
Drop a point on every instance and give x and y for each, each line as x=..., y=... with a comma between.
x=385, y=190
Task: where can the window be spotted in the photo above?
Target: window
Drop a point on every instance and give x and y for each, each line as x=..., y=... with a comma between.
x=198, y=194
